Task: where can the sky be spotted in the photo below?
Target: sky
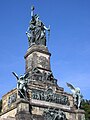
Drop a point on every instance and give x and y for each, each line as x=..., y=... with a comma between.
x=69, y=41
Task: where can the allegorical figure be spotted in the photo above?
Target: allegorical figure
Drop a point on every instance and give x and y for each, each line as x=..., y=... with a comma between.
x=76, y=94
x=37, y=30
x=21, y=85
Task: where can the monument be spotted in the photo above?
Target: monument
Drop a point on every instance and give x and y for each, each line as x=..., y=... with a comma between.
x=38, y=96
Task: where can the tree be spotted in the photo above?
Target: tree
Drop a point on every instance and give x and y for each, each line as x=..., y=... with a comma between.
x=86, y=107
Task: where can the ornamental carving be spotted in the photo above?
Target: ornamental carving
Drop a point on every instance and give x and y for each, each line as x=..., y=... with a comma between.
x=44, y=62
x=11, y=99
x=54, y=114
x=42, y=76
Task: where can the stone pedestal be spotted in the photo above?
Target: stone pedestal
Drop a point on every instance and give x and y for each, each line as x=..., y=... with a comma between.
x=38, y=117
x=80, y=114
x=23, y=110
x=37, y=56
x=38, y=64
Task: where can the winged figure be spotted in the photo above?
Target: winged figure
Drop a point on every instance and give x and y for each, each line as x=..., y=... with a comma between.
x=76, y=94
x=21, y=84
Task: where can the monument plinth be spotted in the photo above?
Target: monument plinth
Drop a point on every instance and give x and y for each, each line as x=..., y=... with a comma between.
x=23, y=110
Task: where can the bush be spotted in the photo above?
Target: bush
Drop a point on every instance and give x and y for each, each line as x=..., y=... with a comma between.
x=86, y=107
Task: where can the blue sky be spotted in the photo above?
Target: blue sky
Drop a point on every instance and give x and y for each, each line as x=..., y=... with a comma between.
x=69, y=41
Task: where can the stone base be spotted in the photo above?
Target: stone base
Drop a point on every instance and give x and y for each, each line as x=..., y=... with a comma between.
x=38, y=117
x=23, y=116
x=80, y=115
x=9, y=118
x=23, y=110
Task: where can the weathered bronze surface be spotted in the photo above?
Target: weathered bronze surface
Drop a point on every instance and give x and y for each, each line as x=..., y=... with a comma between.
x=36, y=31
x=21, y=85
x=76, y=94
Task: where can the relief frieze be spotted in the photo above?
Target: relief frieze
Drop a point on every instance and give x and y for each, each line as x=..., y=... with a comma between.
x=11, y=99
x=49, y=96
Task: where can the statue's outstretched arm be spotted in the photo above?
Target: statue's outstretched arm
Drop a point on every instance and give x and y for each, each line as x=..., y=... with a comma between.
x=47, y=28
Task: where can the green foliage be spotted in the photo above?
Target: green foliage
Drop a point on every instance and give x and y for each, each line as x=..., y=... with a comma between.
x=0, y=105
x=86, y=107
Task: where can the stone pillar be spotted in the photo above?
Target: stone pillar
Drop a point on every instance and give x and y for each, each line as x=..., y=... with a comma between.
x=23, y=110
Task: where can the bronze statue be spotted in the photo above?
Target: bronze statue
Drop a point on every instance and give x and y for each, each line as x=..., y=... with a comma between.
x=21, y=85
x=37, y=30
x=76, y=94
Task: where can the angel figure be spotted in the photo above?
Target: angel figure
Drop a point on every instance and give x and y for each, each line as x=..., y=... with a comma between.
x=21, y=85
x=76, y=94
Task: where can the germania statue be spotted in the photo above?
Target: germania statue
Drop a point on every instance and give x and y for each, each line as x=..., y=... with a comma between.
x=36, y=31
